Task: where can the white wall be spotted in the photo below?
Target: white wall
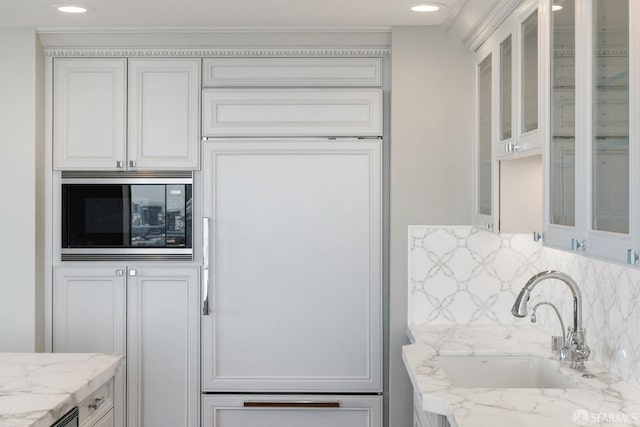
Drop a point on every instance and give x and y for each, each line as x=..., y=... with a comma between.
x=18, y=118
x=431, y=141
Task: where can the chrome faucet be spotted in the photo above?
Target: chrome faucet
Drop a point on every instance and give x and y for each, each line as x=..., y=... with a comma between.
x=575, y=348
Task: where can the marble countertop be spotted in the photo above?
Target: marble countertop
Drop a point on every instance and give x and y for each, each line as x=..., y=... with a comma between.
x=38, y=388
x=605, y=400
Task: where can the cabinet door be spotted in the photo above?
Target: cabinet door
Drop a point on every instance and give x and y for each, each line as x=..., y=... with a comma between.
x=162, y=344
x=297, y=72
x=610, y=229
x=296, y=261
x=291, y=411
x=292, y=112
x=164, y=100
x=484, y=200
x=89, y=317
x=89, y=104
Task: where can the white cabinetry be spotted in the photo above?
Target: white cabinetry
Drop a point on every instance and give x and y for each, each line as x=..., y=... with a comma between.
x=97, y=409
x=422, y=418
x=509, y=123
x=593, y=162
x=89, y=113
x=292, y=112
x=162, y=347
x=164, y=96
x=299, y=72
x=291, y=411
x=99, y=125
x=160, y=328
x=295, y=258
x=89, y=317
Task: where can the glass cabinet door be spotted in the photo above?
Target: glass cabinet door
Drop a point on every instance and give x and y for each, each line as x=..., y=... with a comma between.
x=562, y=158
x=529, y=107
x=610, y=117
x=505, y=88
x=484, y=138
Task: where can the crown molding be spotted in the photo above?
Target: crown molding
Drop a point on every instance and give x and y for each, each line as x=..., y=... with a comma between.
x=454, y=13
x=217, y=42
x=491, y=22
x=366, y=52
x=210, y=30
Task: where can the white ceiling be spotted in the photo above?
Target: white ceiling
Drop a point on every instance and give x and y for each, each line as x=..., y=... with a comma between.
x=231, y=13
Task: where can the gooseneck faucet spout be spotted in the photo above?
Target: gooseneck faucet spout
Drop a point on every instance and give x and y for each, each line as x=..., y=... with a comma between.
x=575, y=348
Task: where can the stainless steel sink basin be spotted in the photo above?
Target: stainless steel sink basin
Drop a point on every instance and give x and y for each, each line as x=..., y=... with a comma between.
x=503, y=372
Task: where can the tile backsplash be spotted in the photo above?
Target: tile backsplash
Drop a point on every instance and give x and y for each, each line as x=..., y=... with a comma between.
x=464, y=275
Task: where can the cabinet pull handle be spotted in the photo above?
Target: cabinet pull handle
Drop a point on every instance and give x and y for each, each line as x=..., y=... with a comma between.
x=96, y=403
x=119, y=164
x=294, y=404
x=132, y=163
x=205, y=266
x=632, y=256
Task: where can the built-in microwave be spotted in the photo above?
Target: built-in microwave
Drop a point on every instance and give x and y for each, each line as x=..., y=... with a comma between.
x=126, y=216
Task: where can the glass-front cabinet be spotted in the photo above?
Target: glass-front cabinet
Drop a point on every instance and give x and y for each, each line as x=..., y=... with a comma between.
x=519, y=67
x=508, y=123
x=592, y=155
x=484, y=154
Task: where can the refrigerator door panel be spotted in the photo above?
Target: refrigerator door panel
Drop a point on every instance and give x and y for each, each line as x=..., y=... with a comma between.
x=291, y=411
x=295, y=282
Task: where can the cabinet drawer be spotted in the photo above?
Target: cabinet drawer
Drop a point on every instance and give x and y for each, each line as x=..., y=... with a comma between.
x=97, y=406
x=107, y=421
x=292, y=112
x=291, y=411
x=221, y=72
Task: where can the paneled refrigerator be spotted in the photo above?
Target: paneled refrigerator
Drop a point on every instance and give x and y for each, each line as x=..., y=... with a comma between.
x=292, y=283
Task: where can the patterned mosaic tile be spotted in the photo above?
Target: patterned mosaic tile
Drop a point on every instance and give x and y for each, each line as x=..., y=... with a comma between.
x=465, y=275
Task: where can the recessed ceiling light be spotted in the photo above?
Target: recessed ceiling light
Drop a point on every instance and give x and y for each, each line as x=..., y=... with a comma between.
x=556, y=7
x=71, y=8
x=426, y=7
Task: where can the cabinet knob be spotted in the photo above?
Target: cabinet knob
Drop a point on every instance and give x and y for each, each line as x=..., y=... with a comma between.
x=119, y=164
x=575, y=244
x=133, y=272
x=632, y=256
x=132, y=163
x=510, y=147
x=119, y=273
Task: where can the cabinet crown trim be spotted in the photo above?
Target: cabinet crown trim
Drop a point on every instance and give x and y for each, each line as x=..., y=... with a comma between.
x=246, y=52
x=491, y=22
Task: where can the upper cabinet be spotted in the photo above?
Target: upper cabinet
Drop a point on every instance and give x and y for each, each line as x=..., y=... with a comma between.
x=593, y=164
x=276, y=97
x=164, y=96
x=516, y=46
x=90, y=115
x=100, y=125
x=509, y=186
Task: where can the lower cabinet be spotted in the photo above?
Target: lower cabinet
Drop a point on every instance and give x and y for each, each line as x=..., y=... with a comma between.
x=97, y=409
x=421, y=418
x=151, y=314
x=291, y=411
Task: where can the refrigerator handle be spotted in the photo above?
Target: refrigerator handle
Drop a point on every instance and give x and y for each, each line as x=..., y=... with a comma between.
x=291, y=404
x=205, y=266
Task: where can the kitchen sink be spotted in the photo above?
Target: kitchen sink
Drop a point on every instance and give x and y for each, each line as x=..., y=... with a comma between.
x=503, y=372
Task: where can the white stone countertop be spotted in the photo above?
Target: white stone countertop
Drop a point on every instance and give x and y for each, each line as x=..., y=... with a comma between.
x=38, y=388
x=605, y=400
